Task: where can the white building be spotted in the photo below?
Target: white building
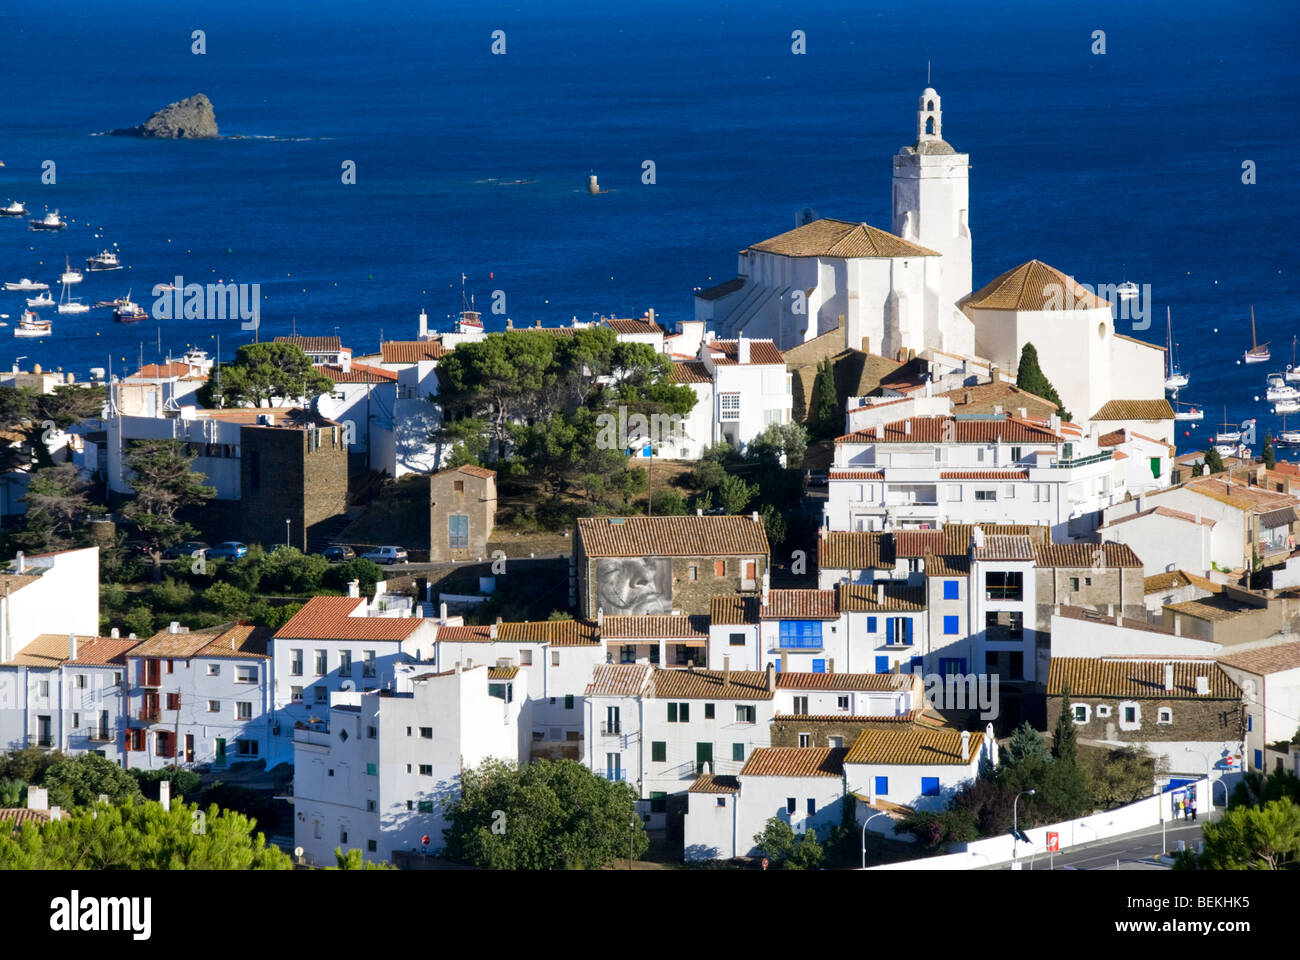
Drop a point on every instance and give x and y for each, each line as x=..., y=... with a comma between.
x=363, y=401
x=54, y=593
x=414, y=415
x=199, y=697
x=917, y=767
x=376, y=778
x=1166, y=539
x=1269, y=678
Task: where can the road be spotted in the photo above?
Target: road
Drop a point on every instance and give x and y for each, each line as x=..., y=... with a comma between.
x=1130, y=850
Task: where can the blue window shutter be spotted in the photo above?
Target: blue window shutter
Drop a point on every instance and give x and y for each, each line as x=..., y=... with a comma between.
x=951, y=625
x=889, y=629
x=929, y=786
x=871, y=624
x=882, y=786
x=882, y=664
x=1259, y=759
x=1250, y=723
x=951, y=590
x=908, y=621
x=819, y=666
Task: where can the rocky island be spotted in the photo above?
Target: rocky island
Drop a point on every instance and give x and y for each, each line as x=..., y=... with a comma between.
x=188, y=119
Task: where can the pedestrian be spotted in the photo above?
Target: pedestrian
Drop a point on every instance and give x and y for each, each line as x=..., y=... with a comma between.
x=1192, y=807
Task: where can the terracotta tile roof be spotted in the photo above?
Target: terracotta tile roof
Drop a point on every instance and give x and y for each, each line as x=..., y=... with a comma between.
x=165, y=371
x=1033, y=286
x=101, y=651
x=712, y=783
x=917, y=543
x=999, y=546
x=314, y=344
x=632, y=325
x=799, y=605
x=710, y=685
x=795, y=762
x=957, y=535
x=855, y=550
x=723, y=536
x=330, y=618
x=478, y=633
x=761, y=352
x=1240, y=495
x=502, y=673
x=557, y=633
x=879, y=682
x=840, y=238
x=861, y=598
x=690, y=371
x=1112, y=439
x=1119, y=677
x=1128, y=623
x=855, y=475
x=412, y=351
x=357, y=373
x=655, y=627
x=469, y=469
x=733, y=611
x=50, y=650
x=1169, y=580
x=1161, y=511
x=1085, y=555
x=721, y=290
x=1265, y=660
x=942, y=565
x=619, y=680
x=235, y=641
x=983, y=474
x=1212, y=609
x=240, y=642
x=932, y=430
x=13, y=582
x=913, y=746
x=987, y=397
x=1135, y=410
x=20, y=815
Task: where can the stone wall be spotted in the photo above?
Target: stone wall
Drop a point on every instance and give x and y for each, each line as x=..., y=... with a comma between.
x=1203, y=719
x=294, y=474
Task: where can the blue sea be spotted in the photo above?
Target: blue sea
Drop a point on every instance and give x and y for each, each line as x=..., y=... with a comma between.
x=1120, y=166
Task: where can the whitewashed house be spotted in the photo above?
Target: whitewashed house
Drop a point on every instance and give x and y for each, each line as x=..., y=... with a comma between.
x=1165, y=538
x=1269, y=678
x=54, y=593
x=376, y=777
x=917, y=767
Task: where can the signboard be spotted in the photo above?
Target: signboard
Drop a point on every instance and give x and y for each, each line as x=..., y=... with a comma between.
x=1053, y=842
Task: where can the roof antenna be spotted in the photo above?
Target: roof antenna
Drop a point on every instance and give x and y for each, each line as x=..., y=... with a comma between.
x=927, y=73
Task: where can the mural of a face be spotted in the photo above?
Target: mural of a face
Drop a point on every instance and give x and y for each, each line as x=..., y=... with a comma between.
x=632, y=586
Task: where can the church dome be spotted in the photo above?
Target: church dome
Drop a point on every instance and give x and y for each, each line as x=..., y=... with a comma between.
x=932, y=147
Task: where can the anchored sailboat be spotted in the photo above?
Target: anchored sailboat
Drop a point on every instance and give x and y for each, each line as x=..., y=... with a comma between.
x=1175, y=379
x=1258, y=352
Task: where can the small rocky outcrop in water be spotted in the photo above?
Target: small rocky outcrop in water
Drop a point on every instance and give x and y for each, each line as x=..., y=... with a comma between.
x=188, y=119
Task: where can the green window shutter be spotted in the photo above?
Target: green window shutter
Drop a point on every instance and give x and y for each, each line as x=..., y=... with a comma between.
x=708, y=711
x=738, y=751
x=686, y=713
x=568, y=701
x=370, y=770
x=672, y=713
x=659, y=751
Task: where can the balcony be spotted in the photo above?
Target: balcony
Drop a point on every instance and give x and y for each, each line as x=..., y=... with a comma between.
x=1063, y=463
x=149, y=714
x=151, y=680
x=617, y=775
x=40, y=742
x=611, y=729
x=101, y=736
x=799, y=643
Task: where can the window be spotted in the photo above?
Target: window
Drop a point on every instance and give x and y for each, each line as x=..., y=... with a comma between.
x=801, y=634
x=343, y=735
x=791, y=804
x=882, y=786
x=1164, y=715
x=952, y=589
x=43, y=688
x=368, y=663
x=568, y=701
x=214, y=706
x=842, y=703
x=1130, y=715
x=679, y=713
x=658, y=801
x=882, y=664
x=458, y=486
x=76, y=720
x=986, y=495
x=371, y=845
x=722, y=801
x=871, y=625
x=295, y=663
x=746, y=714
x=929, y=786
x=81, y=681
x=1250, y=723
x=246, y=674
x=173, y=701
x=812, y=806
x=736, y=640
x=322, y=662
x=1015, y=454
x=801, y=705
x=244, y=710
x=525, y=658
x=458, y=532
x=426, y=769
x=214, y=669
x=951, y=626
x=345, y=663
x=693, y=571
x=295, y=694
x=805, y=739
x=659, y=751
x=719, y=568
x=738, y=752
x=728, y=406
x=708, y=711
x=1103, y=710
x=1004, y=585
x=247, y=748
x=1080, y=711
x=425, y=806
x=819, y=666
x=555, y=658
x=371, y=733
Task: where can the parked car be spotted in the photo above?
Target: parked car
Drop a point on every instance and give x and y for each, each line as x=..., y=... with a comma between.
x=388, y=555
x=818, y=478
x=339, y=552
x=189, y=548
x=137, y=548
x=230, y=550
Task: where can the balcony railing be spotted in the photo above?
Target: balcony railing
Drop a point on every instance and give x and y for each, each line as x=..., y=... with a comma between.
x=799, y=643
x=151, y=680
x=150, y=714
x=1063, y=463
x=619, y=775
x=100, y=736
x=40, y=742
x=611, y=729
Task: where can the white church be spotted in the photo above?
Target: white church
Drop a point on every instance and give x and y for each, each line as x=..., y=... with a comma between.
x=909, y=291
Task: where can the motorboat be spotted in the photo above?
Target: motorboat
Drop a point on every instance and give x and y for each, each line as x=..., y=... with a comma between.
x=25, y=284
x=127, y=311
x=51, y=221
x=104, y=260
x=1127, y=290
x=33, y=326
x=1191, y=413
x=69, y=275
x=1278, y=389
x=14, y=209
x=43, y=300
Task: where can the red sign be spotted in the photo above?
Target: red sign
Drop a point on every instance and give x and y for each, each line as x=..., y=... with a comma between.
x=1053, y=842
x=424, y=840
x=765, y=861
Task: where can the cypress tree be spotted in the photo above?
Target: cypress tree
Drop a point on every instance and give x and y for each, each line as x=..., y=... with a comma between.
x=1213, y=460
x=1270, y=458
x=1065, y=738
x=1030, y=377
x=825, y=401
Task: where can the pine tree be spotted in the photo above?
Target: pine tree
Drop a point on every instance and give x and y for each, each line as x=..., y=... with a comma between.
x=1270, y=458
x=1214, y=461
x=1065, y=738
x=1030, y=377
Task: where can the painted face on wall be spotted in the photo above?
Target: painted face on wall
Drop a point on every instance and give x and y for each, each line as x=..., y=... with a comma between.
x=632, y=586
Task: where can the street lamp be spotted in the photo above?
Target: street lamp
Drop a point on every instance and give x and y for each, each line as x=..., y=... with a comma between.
x=1015, y=822
x=631, y=834
x=864, y=835
x=286, y=533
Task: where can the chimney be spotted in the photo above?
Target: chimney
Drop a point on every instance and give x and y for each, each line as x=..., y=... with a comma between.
x=830, y=665
x=457, y=668
x=115, y=633
x=1202, y=686
x=1178, y=625
x=742, y=349
x=174, y=627
x=492, y=631
x=907, y=426
x=754, y=516
x=880, y=593
x=442, y=611
x=1169, y=677
x=965, y=744
x=354, y=588
x=72, y=646
x=424, y=325
x=600, y=616
x=770, y=685
x=993, y=374
x=1110, y=609
x=726, y=670
x=20, y=562
x=965, y=398
x=165, y=794
x=650, y=314
x=880, y=430
x=38, y=798
x=699, y=511
x=1023, y=413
